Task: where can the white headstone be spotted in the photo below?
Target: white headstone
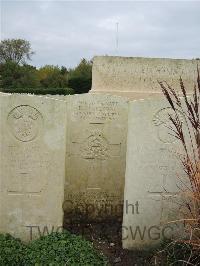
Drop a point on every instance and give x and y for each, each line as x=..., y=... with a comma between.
x=154, y=176
x=95, y=164
x=32, y=164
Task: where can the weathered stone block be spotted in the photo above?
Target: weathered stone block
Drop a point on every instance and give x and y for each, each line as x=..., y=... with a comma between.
x=137, y=77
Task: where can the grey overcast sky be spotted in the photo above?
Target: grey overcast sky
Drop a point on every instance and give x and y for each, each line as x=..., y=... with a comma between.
x=63, y=32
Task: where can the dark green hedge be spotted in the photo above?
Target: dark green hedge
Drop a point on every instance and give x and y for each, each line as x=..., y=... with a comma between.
x=41, y=91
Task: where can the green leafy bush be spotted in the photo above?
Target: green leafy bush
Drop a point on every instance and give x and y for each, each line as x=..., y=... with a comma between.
x=54, y=249
x=12, y=251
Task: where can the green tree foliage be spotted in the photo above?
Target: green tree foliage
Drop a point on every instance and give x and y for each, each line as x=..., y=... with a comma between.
x=64, y=70
x=80, y=78
x=53, y=77
x=15, y=50
x=16, y=76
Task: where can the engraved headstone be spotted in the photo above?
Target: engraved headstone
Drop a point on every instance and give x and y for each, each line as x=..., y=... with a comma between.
x=32, y=164
x=154, y=176
x=95, y=162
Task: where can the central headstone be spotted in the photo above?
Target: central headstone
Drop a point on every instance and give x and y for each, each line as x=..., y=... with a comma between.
x=95, y=163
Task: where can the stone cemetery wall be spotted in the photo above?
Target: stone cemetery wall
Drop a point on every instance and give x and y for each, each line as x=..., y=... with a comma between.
x=95, y=161
x=32, y=164
x=136, y=78
x=154, y=176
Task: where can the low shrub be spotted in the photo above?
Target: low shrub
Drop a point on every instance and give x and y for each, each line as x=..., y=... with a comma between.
x=54, y=249
x=12, y=250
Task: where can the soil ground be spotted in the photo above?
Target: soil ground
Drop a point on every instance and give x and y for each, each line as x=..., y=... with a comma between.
x=106, y=237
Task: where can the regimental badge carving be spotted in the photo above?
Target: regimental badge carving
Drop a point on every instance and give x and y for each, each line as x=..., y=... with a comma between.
x=25, y=122
x=164, y=126
x=95, y=146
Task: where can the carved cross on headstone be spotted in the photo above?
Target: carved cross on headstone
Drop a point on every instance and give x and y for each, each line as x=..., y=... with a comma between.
x=20, y=200
x=162, y=193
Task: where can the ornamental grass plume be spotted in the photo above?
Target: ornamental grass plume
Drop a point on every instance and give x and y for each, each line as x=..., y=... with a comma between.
x=185, y=126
